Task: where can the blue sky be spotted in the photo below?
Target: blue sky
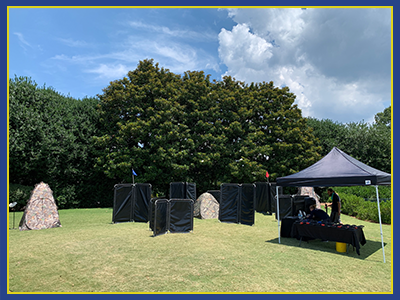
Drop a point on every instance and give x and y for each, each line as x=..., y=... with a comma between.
x=336, y=60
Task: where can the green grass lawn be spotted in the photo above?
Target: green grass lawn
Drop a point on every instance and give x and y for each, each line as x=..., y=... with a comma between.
x=88, y=254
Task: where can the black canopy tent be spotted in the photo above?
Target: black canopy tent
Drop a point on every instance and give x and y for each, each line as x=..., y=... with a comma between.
x=337, y=169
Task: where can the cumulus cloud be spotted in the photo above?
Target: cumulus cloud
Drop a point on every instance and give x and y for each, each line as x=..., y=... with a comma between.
x=336, y=61
x=255, y=50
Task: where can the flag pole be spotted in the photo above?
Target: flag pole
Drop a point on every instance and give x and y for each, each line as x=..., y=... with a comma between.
x=133, y=176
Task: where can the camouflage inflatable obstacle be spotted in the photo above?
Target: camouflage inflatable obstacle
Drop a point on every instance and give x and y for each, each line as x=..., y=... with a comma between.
x=41, y=210
x=206, y=207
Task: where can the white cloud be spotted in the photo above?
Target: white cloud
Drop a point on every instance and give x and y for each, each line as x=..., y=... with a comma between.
x=29, y=48
x=22, y=40
x=109, y=71
x=336, y=61
x=180, y=57
x=166, y=46
x=255, y=51
x=74, y=43
x=179, y=33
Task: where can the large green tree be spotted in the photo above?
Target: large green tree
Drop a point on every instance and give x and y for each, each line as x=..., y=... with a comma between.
x=328, y=134
x=369, y=143
x=187, y=128
x=50, y=140
x=145, y=129
x=385, y=117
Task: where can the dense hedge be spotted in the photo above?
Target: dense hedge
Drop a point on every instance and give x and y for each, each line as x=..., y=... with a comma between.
x=50, y=140
x=366, y=192
x=360, y=202
x=365, y=210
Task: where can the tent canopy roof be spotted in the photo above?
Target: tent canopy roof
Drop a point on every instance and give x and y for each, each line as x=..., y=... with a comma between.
x=336, y=169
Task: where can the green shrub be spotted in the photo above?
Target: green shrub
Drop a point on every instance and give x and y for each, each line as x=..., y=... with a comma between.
x=363, y=213
x=366, y=192
x=353, y=205
x=20, y=194
x=386, y=212
x=66, y=197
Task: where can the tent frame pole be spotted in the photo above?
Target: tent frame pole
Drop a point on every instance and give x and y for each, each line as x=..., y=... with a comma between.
x=277, y=211
x=380, y=222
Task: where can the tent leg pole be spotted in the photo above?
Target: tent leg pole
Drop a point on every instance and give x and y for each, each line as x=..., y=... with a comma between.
x=277, y=211
x=380, y=222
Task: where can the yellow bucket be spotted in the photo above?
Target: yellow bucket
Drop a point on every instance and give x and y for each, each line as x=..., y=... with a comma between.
x=340, y=247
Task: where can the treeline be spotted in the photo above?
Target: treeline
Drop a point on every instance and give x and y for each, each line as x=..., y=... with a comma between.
x=169, y=128
x=369, y=143
x=51, y=140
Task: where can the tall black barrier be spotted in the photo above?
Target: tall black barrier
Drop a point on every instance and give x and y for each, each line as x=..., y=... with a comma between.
x=122, y=207
x=175, y=215
x=216, y=194
x=181, y=215
x=289, y=206
x=298, y=204
x=302, y=202
x=229, y=203
x=151, y=214
x=160, y=217
x=143, y=196
x=265, y=196
x=131, y=202
x=285, y=206
x=182, y=190
x=247, y=204
x=237, y=203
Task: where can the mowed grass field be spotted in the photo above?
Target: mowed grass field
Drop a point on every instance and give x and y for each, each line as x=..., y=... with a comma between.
x=89, y=254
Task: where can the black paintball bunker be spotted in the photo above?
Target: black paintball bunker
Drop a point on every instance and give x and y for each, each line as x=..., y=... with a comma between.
x=290, y=205
x=265, y=197
x=285, y=207
x=216, y=194
x=131, y=202
x=174, y=216
x=182, y=190
x=302, y=203
x=237, y=203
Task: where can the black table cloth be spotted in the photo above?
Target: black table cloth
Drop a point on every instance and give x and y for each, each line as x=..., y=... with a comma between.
x=349, y=234
x=286, y=226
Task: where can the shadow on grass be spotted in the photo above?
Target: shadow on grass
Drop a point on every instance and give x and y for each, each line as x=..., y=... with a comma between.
x=365, y=251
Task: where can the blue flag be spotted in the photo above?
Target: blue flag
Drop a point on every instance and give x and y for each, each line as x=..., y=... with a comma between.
x=133, y=172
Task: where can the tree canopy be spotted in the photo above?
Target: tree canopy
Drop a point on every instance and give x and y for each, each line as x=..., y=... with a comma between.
x=186, y=128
